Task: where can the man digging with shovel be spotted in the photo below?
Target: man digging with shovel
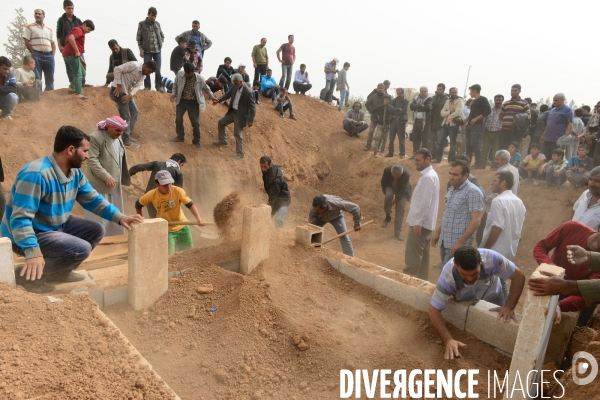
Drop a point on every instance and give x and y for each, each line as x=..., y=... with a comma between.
x=167, y=200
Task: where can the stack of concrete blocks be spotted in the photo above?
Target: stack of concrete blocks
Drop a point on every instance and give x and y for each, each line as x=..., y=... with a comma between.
x=309, y=235
x=148, y=262
x=474, y=317
x=532, y=338
x=7, y=269
x=256, y=237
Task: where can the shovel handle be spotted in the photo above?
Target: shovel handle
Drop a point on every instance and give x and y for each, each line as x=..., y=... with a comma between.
x=189, y=223
x=344, y=233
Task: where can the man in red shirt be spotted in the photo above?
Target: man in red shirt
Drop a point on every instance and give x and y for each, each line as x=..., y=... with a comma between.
x=287, y=60
x=570, y=233
x=73, y=55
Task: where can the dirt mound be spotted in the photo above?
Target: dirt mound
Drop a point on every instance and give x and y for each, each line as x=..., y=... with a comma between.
x=224, y=210
x=71, y=336
x=283, y=332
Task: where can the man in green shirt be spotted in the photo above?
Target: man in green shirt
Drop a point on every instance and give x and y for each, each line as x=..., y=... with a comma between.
x=260, y=59
x=553, y=285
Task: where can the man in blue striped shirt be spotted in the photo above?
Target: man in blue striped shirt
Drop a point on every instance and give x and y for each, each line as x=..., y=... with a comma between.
x=38, y=218
x=474, y=274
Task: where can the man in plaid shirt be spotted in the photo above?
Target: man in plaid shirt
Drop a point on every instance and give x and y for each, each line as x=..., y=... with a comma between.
x=464, y=207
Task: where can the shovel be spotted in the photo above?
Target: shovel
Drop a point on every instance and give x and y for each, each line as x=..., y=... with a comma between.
x=344, y=233
x=205, y=233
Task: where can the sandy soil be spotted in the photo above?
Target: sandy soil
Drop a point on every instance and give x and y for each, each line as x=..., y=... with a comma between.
x=66, y=350
x=227, y=353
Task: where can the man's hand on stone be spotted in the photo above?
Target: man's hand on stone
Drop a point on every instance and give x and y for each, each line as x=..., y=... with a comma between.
x=33, y=269
x=505, y=313
x=128, y=219
x=550, y=286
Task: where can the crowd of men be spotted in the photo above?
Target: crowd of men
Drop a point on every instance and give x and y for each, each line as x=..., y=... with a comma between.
x=518, y=141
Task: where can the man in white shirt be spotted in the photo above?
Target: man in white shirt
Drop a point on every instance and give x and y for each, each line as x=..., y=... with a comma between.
x=505, y=218
x=129, y=78
x=39, y=40
x=501, y=159
x=422, y=216
x=301, y=82
x=587, y=207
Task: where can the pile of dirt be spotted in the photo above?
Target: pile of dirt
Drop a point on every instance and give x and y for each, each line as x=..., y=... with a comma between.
x=283, y=332
x=224, y=210
x=66, y=349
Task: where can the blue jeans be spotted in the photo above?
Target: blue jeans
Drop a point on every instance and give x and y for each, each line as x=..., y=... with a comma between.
x=329, y=88
x=340, y=227
x=445, y=254
x=280, y=214
x=272, y=93
x=129, y=112
x=44, y=63
x=286, y=76
x=157, y=76
x=7, y=103
x=66, y=248
x=474, y=143
x=344, y=97
x=446, y=131
x=550, y=178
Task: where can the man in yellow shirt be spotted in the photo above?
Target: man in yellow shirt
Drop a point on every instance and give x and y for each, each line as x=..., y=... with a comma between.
x=167, y=200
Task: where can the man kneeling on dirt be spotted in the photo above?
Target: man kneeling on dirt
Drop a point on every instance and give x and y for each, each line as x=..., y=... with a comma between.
x=38, y=218
x=475, y=274
x=167, y=200
x=329, y=208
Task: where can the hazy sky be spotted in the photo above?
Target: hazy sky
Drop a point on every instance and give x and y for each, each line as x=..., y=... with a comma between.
x=546, y=47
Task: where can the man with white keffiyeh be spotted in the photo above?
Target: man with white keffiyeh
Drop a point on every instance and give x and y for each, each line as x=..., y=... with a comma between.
x=107, y=168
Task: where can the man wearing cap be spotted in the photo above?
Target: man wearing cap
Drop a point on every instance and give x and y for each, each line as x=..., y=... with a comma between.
x=241, y=69
x=107, y=169
x=38, y=218
x=167, y=200
x=330, y=80
x=354, y=121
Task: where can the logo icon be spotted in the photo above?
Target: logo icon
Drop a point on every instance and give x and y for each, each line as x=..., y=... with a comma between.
x=581, y=367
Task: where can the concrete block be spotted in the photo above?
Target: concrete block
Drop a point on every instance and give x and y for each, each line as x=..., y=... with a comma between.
x=365, y=275
x=560, y=337
x=405, y=294
x=148, y=262
x=309, y=235
x=7, y=268
x=456, y=312
x=86, y=286
x=116, y=295
x=486, y=326
x=256, y=237
x=334, y=263
x=534, y=332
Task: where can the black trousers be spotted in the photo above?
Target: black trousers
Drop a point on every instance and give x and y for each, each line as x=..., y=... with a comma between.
x=193, y=110
x=261, y=69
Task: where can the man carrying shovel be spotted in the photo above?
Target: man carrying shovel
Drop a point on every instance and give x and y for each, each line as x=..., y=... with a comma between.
x=167, y=200
x=329, y=208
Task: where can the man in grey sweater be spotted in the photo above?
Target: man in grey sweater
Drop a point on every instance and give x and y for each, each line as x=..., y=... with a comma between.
x=343, y=86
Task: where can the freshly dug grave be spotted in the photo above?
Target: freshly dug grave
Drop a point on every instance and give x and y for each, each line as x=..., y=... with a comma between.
x=66, y=350
x=283, y=332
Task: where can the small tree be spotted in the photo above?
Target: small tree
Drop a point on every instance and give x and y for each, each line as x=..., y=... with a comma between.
x=15, y=48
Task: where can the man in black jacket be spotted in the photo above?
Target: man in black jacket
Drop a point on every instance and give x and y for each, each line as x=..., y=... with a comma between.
x=173, y=165
x=396, y=188
x=276, y=188
x=119, y=56
x=64, y=25
x=241, y=112
x=398, y=125
x=421, y=105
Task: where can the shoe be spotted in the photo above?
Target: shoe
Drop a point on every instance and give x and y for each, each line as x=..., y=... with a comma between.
x=147, y=88
x=524, y=180
x=281, y=115
x=546, y=186
x=536, y=182
x=402, y=157
x=258, y=102
x=7, y=118
x=68, y=277
x=197, y=146
x=411, y=158
x=88, y=85
x=239, y=156
x=399, y=236
x=375, y=153
x=131, y=144
x=388, y=155
x=436, y=161
x=218, y=143
x=367, y=147
x=160, y=89
x=386, y=221
x=293, y=117
x=176, y=139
